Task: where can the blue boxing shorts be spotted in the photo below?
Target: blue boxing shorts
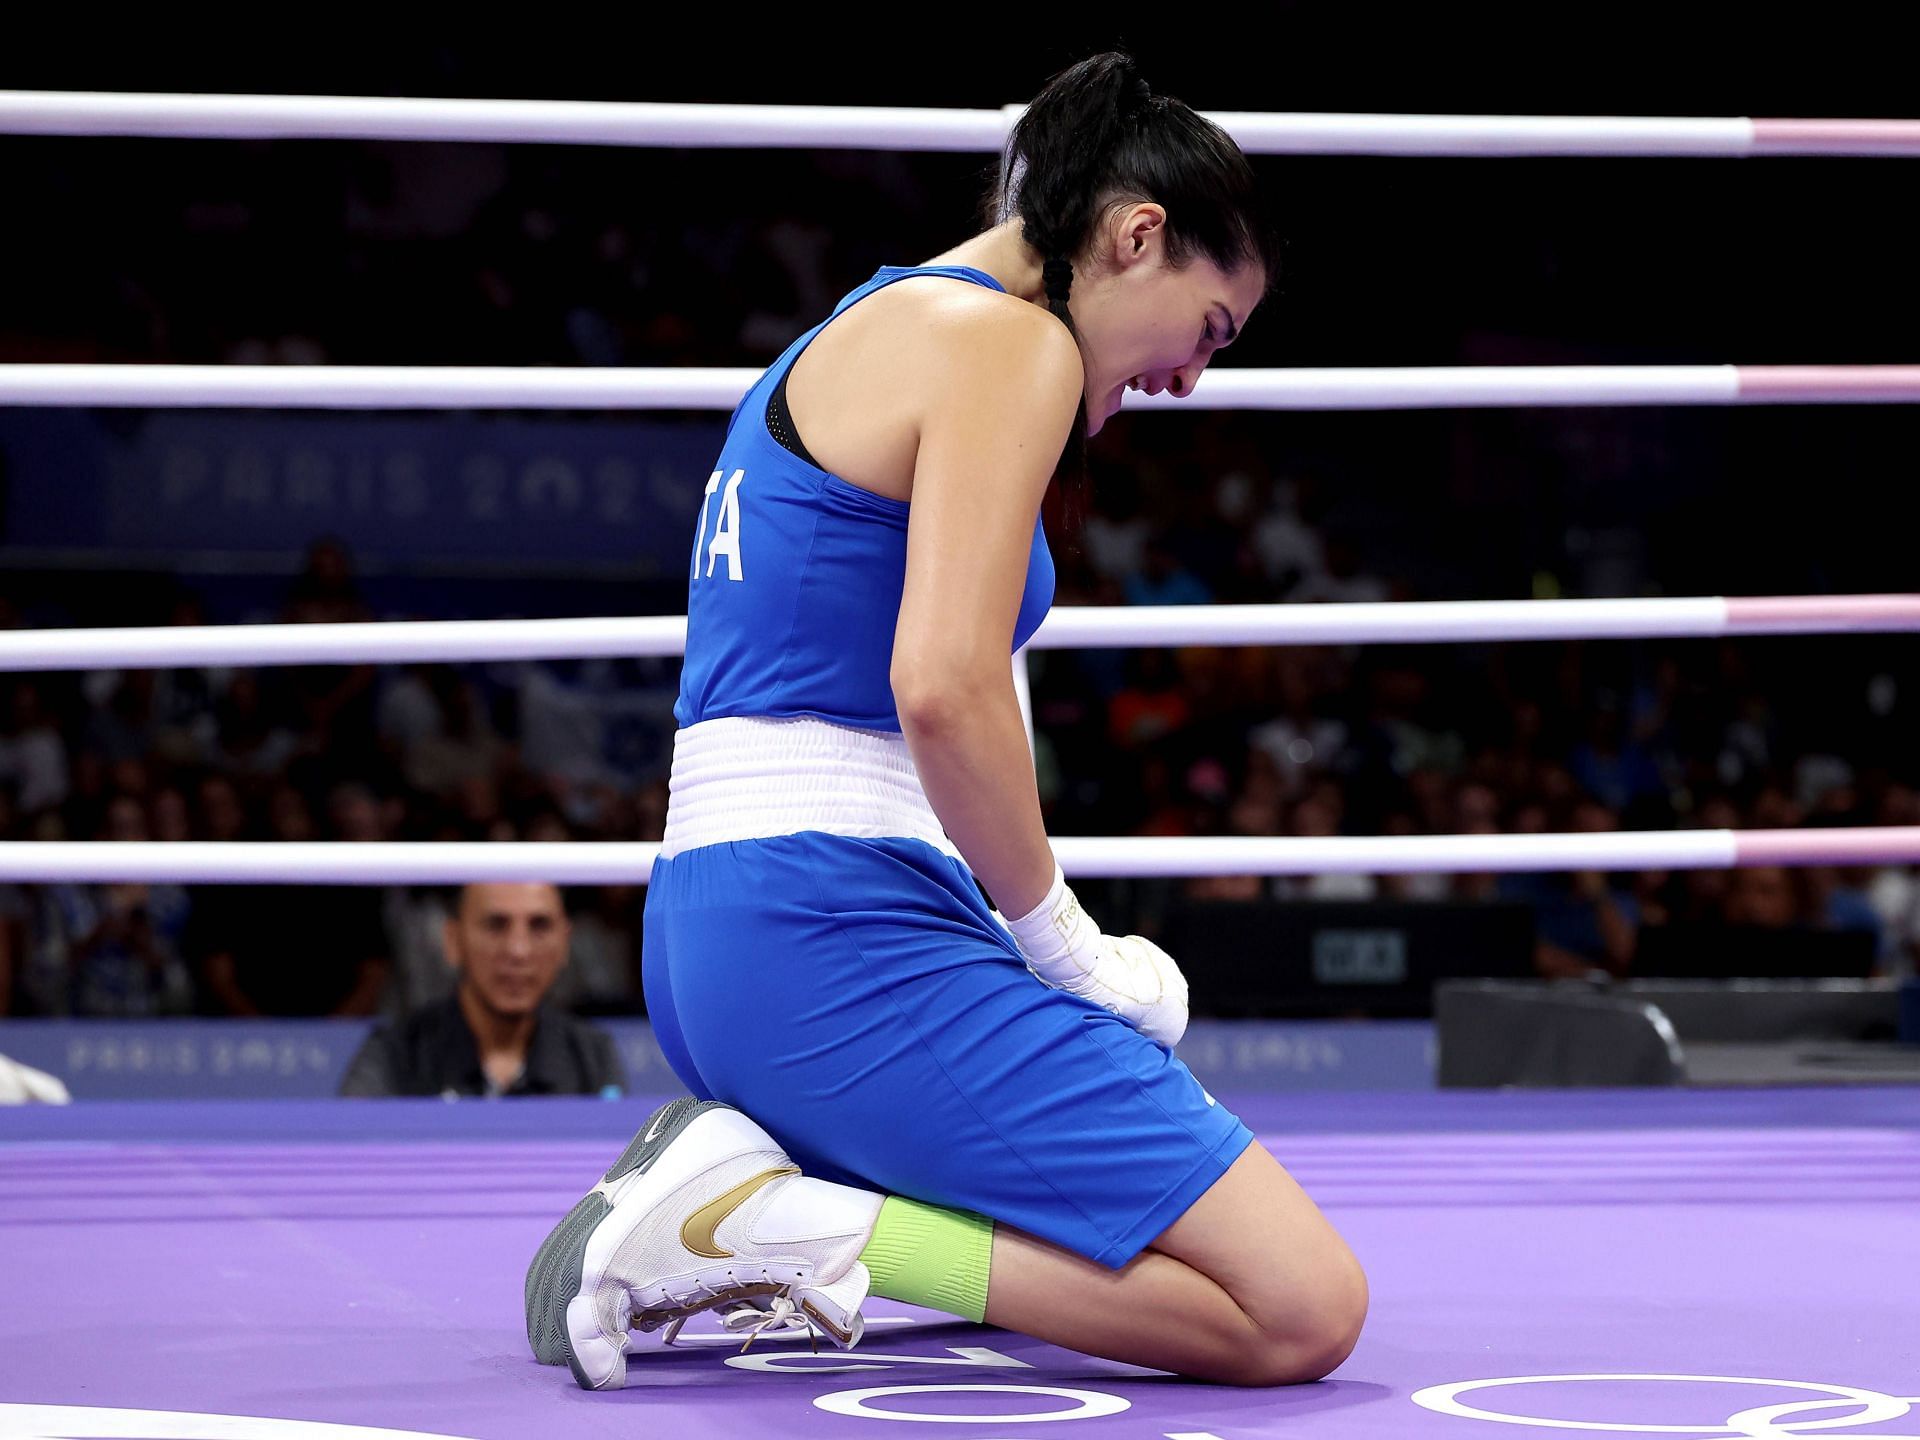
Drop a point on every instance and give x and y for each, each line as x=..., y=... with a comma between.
x=857, y=998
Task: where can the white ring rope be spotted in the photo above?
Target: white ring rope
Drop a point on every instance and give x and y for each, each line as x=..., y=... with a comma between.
x=79, y=113
x=628, y=863
x=376, y=387
x=28, y=112
x=167, y=647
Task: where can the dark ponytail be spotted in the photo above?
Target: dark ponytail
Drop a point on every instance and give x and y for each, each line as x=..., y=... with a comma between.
x=1097, y=136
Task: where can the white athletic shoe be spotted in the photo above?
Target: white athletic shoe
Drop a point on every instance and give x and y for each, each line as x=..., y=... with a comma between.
x=675, y=1228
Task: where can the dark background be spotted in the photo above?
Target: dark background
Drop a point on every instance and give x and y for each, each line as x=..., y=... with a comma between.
x=388, y=254
x=141, y=251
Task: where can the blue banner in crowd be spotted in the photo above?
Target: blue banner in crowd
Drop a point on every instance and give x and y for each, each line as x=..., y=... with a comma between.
x=612, y=489
x=296, y=1059
x=237, y=1059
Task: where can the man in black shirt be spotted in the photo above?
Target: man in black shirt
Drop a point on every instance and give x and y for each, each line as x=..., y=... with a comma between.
x=495, y=1035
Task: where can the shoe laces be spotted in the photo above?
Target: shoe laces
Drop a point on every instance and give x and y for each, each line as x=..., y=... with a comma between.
x=780, y=1314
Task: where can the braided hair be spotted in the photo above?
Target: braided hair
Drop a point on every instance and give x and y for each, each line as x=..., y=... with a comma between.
x=1097, y=137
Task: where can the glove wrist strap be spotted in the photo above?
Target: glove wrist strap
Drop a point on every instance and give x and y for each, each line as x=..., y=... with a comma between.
x=1055, y=928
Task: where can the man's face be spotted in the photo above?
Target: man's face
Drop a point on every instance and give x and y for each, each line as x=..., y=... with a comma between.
x=508, y=943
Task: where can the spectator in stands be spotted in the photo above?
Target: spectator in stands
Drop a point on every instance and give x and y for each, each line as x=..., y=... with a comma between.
x=1474, y=817
x=1750, y=742
x=289, y=816
x=495, y=1035
x=186, y=701
x=167, y=815
x=1703, y=894
x=121, y=950
x=222, y=815
x=420, y=974
x=1766, y=896
x=407, y=709
x=1152, y=706
x=1653, y=892
x=33, y=757
x=1611, y=766
x=1161, y=580
x=1318, y=815
x=1256, y=811
x=1839, y=900
x=1583, y=923
x=357, y=815
x=330, y=708
x=1165, y=805
x=1116, y=533
x=110, y=950
x=1291, y=553
x=1420, y=888
x=251, y=742
x=325, y=591
x=457, y=749
x=120, y=724
x=1300, y=738
x=1344, y=582
x=1894, y=890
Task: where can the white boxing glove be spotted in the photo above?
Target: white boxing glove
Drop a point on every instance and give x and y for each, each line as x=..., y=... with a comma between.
x=1127, y=974
x=24, y=1085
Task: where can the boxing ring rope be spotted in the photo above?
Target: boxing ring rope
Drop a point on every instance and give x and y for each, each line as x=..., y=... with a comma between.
x=630, y=863
x=1421, y=622
x=355, y=387
x=202, y=862
x=375, y=387
x=340, y=117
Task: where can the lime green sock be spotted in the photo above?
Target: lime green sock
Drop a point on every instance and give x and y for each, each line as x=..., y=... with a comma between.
x=928, y=1256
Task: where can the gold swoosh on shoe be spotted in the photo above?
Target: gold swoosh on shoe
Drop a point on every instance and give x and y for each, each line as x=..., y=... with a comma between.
x=697, y=1233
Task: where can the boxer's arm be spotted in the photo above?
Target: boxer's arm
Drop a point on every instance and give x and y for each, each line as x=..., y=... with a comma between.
x=991, y=428
x=991, y=432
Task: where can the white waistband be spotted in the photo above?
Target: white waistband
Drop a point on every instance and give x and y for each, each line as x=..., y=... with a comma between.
x=751, y=777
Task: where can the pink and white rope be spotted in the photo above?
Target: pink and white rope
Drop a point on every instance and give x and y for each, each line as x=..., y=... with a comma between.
x=234, y=116
x=628, y=863
x=372, y=387
x=27, y=112
x=162, y=647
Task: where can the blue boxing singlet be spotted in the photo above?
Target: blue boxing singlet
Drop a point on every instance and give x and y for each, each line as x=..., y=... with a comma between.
x=818, y=953
x=797, y=574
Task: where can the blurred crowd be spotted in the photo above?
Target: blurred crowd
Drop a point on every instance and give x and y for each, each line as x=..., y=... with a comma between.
x=478, y=254
x=1489, y=739
x=302, y=754
x=437, y=254
x=1198, y=741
